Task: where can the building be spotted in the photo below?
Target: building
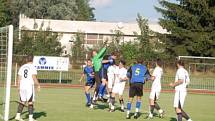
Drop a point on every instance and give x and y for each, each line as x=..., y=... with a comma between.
x=94, y=32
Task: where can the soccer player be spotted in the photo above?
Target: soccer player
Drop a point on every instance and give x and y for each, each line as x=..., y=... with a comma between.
x=119, y=85
x=106, y=62
x=26, y=81
x=155, y=89
x=90, y=80
x=181, y=81
x=97, y=64
x=137, y=74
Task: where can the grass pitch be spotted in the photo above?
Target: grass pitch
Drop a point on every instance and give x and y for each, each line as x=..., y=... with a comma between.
x=57, y=104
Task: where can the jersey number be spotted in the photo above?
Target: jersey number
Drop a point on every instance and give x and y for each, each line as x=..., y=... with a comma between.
x=26, y=73
x=137, y=71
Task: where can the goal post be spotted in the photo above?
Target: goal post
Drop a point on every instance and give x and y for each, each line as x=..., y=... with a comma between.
x=6, y=51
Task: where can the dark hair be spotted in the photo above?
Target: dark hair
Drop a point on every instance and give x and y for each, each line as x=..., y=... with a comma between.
x=114, y=53
x=122, y=62
x=29, y=58
x=180, y=62
x=159, y=62
x=139, y=60
x=89, y=59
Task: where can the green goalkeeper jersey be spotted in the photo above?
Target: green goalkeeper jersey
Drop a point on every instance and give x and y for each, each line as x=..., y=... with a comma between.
x=97, y=59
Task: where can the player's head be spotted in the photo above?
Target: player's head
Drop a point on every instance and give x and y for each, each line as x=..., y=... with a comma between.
x=139, y=61
x=29, y=58
x=122, y=63
x=179, y=63
x=159, y=62
x=89, y=62
x=94, y=52
x=114, y=55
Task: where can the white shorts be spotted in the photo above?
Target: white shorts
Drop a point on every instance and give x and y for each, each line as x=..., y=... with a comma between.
x=118, y=88
x=27, y=95
x=110, y=81
x=154, y=93
x=179, y=98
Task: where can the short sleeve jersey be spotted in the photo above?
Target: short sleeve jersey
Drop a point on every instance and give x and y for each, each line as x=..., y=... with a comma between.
x=89, y=71
x=157, y=73
x=183, y=75
x=26, y=72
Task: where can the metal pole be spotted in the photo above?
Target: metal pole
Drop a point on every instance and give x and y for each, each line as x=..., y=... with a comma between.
x=15, y=76
x=60, y=77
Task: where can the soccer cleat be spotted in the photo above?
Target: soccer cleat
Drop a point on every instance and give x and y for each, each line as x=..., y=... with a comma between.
x=161, y=114
x=136, y=115
x=122, y=110
x=91, y=106
x=128, y=116
x=150, y=116
x=18, y=118
x=111, y=110
x=88, y=104
x=189, y=120
x=31, y=119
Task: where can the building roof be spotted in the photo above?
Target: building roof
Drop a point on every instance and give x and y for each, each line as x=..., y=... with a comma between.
x=67, y=26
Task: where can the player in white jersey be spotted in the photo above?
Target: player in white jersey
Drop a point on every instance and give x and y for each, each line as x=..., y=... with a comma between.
x=181, y=81
x=119, y=85
x=110, y=74
x=155, y=89
x=26, y=81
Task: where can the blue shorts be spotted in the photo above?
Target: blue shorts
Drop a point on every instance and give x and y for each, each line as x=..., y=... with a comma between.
x=90, y=84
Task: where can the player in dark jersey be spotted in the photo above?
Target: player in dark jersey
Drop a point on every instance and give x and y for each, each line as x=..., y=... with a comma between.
x=137, y=74
x=90, y=80
x=107, y=61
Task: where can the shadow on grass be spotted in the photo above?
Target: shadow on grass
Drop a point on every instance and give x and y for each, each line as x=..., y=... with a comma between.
x=173, y=119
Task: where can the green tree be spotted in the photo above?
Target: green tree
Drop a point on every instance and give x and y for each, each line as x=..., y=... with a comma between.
x=48, y=9
x=78, y=49
x=191, y=24
x=38, y=43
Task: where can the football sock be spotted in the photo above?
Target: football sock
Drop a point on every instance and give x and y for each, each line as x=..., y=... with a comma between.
x=20, y=108
x=103, y=91
x=138, y=104
x=179, y=116
x=101, y=87
x=122, y=103
x=112, y=100
x=129, y=106
x=152, y=108
x=157, y=106
x=30, y=109
x=184, y=115
x=88, y=97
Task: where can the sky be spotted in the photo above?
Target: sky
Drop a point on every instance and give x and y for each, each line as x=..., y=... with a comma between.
x=125, y=10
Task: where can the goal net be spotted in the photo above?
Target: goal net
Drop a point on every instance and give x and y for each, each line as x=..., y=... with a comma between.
x=202, y=71
x=6, y=48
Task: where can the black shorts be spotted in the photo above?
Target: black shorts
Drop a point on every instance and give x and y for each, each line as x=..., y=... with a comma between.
x=90, y=83
x=103, y=74
x=136, y=89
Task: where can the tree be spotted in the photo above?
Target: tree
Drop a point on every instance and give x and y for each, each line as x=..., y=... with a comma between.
x=48, y=9
x=78, y=49
x=191, y=24
x=38, y=43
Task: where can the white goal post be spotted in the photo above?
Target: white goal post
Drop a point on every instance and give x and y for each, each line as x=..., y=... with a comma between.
x=200, y=58
x=6, y=49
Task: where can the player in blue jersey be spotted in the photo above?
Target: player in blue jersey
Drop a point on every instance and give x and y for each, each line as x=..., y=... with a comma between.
x=138, y=74
x=106, y=62
x=90, y=80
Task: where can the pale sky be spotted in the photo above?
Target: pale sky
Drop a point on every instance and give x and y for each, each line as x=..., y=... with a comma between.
x=125, y=10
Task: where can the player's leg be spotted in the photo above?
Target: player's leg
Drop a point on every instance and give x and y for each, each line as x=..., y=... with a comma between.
x=177, y=106
x=87, y=94
x=121, y=90
x=151, y=103
x=103, y=84
x=132, y=93
x=21, y=105
x=97, y=83
x=110, y=86
x=31, y=108
x=182, y=100
x=156, y=105
x=112, y=102
x=139, y=93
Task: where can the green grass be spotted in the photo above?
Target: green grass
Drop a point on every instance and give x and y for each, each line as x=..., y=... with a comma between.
x=69, y=105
